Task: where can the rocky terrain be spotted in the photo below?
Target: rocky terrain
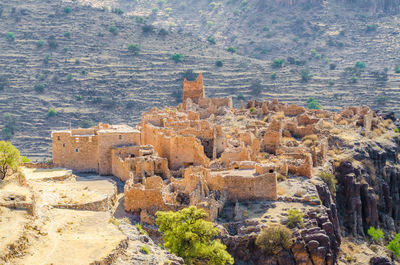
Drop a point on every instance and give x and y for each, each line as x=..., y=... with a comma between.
x=73, y=57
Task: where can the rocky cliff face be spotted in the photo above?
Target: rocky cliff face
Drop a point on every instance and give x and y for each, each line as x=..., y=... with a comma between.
x=317, y=243
x=369, y=188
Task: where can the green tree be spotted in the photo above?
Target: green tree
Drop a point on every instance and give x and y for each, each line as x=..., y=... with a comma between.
x=312, y=103
x=134, y=48
x=277, y=63
x=9, y=158
x=394, y=245
x=188, y=235
x=177, y=58
x=256, y=87
x=305, y=75
x=10, y=126
x=375, y=234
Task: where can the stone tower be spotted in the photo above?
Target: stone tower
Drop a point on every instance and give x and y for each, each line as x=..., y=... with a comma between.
x=193, y=89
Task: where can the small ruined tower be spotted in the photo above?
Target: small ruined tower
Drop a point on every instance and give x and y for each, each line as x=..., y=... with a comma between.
x=193, y=89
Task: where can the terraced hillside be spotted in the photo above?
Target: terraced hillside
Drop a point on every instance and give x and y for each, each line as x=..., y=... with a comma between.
x=74, y=60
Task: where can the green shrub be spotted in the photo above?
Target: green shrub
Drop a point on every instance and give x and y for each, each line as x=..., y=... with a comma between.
x=39, y=88
x=79, y=98
x=46, y=59
x=187, y=234
x=134, y=48
x=396, y=130
x=360, y=65
x=273, y=76
x=177, y=58
x=313, y=103
x=273, y=238
x=331, y=83
x=163, y=32
x=382, y=100
x=52, y=42
x=252, y=109
x=67, y=34
x=113, y=30
x=69, y=77
x=329, y=180
x=371, y=27
x=332, y=66
x=232, y=49
x=10, y=126
x=219, y=63
x=10, y=36
x=3, y=82
x=376, y=234
x=155, y=10
x=87, y=124
x=394, y=245
x=147, y=28
x=256, y=87
x=305, y=75
x=397, y=69
x=67, y=10
x=354, y=79
x=146, y=250
x=39, y=43
x=277, y=63
x=24, y=159
x=52, y=112
x=117, y=11
x=295, y=218
x=240, y=96
x=211, y=40
x=189, y=75
x=140, y=229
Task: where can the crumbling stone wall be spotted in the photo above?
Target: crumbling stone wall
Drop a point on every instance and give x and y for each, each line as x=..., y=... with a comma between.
x=245, y=184
x=193, y=89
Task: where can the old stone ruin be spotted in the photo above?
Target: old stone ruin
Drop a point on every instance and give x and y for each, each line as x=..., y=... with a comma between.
x=245, y=166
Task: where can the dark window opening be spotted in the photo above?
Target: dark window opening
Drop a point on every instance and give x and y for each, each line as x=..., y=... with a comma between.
x=271, y=171
x=58, y=138
x=77, y=150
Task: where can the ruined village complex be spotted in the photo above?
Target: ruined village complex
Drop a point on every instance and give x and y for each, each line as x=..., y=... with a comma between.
x=204, y=152
x=247, y=167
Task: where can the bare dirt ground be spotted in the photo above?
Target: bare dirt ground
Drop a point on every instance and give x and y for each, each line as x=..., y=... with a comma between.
x=91, y=226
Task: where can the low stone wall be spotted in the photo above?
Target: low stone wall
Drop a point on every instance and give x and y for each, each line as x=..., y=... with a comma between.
x=38, y=165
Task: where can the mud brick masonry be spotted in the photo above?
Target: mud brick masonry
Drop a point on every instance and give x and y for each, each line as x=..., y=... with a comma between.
x=205, y=152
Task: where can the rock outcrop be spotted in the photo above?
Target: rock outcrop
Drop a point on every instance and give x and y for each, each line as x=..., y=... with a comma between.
x=369, y=192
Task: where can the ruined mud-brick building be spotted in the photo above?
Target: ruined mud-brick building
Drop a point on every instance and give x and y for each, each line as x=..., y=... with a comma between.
x=205, y=152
